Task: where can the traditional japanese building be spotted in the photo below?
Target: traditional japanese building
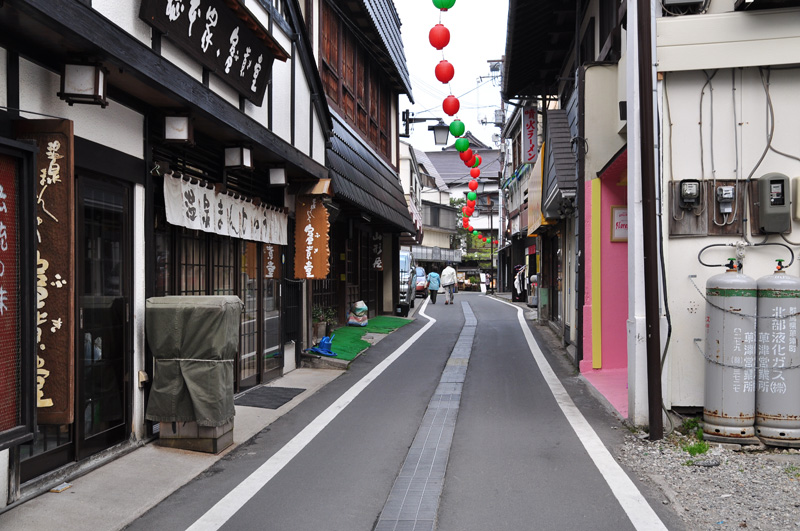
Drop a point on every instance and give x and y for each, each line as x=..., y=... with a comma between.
x=363, y=69
x=147, y=148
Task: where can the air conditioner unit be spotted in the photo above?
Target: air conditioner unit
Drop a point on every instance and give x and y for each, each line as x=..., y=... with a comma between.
x=753, y=5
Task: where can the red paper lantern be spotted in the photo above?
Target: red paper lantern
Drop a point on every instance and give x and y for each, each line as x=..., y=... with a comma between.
x=475, y=173
x=465, y=155
x=471, y=162
x=496, y=242
x=439, y=36
x=470, y=211
x=473, y=184
x=470, y=228
x=464, y=209
x=445, y=71
x=471, y=203
x=450, y=105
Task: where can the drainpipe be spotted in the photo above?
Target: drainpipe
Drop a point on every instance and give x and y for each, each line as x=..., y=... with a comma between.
x=650, y=220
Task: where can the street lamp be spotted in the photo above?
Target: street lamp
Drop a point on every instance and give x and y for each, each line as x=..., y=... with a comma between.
x=440, y=131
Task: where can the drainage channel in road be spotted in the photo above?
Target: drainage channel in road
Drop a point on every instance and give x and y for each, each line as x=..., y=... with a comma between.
x=414, y=499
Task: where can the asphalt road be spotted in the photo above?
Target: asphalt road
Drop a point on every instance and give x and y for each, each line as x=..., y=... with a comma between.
x=516, y=461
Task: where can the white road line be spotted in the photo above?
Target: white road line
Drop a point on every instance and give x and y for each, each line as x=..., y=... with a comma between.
x=224, y=509
x=641, y=515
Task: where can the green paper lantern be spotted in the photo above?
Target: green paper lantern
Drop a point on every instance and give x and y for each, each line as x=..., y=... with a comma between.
x=477, y=162
x=462, y=144
x=457, y=128
x=475, y=232
x=444, y=4
x=472, y=196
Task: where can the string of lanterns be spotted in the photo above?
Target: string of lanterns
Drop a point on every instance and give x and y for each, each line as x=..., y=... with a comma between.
x=439, y=37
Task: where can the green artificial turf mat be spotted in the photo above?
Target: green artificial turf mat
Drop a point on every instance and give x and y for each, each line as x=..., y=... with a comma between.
x=347, y=342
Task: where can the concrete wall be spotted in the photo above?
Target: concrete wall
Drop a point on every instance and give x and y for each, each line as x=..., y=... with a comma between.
x=739, y=140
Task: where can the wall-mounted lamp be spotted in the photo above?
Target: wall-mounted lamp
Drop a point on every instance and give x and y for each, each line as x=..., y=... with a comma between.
x=277, y=177
x=238, y=157
x=178, y=128
x=84, y=83
x=440, y=132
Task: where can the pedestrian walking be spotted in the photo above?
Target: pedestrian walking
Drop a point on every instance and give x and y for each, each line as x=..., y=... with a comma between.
x=448, y=278
x=434, y=281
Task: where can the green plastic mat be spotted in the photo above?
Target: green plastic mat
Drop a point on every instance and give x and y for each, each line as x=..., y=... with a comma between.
x=347, y=342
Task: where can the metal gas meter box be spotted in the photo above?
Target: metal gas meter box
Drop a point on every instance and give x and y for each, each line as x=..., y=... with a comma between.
x=194, y=340
x=774, y=206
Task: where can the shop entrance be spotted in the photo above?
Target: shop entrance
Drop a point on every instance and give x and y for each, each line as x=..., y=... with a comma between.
x=102, y=348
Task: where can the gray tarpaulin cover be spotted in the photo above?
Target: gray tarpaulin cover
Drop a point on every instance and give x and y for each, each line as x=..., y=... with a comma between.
x=194, y=340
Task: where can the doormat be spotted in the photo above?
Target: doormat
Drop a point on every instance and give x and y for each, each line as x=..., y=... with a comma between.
x=267, y=397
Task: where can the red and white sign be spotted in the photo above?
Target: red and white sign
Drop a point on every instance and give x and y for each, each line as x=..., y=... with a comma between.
x=530, y=134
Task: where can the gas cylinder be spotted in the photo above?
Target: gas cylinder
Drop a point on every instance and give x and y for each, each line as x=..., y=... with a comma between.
x=778, y=378
x=730, y=379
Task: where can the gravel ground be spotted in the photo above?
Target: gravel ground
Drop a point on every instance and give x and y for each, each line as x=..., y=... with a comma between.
x=728, y=487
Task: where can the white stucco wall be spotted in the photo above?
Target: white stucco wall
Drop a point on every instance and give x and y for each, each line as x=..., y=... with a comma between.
x=181, y=59
x=126, y=16
x=302, y=113
x=116, y=126
x=282, y=100
x=681, y=158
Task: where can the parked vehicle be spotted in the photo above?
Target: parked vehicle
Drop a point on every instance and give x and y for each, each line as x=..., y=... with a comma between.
x=422, y=281
x=408, y=278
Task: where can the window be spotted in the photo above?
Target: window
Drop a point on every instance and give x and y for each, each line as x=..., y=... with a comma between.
x=354, y=81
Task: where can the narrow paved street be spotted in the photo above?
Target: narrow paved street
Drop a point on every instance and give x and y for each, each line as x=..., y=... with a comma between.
x=459, y=421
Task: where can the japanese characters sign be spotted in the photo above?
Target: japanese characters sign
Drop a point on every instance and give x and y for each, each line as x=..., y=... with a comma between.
x=272, y=261
x=55, y=265
x=226, y=40
x=198, y=207
x=530, y=134
x=377, y=251
x=311, y=238
x=10, y=354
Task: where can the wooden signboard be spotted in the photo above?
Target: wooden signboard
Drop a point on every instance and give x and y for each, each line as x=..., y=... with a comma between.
x=273, y=256
x=312, y=252
x=224, y=40
x=55, y=266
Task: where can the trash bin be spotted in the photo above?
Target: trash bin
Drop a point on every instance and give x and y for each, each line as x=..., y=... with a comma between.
x=194, y=340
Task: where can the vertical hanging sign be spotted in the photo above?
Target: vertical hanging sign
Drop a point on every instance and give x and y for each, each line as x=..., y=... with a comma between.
x=530, y=132
x=272, y=261
x=10, y=349
x=311, y=238
x=55, y=264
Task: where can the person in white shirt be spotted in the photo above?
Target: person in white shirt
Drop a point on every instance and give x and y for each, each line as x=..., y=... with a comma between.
x=448, y=283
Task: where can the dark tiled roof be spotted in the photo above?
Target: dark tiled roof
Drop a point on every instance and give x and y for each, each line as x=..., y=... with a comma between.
x=361, y=178
x=538, y=39
x=453, y=170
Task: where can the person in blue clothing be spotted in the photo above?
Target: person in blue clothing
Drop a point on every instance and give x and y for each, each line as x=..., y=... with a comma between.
x=433, y=285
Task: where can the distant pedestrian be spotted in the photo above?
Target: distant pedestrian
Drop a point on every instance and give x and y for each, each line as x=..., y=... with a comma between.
x=448, y=283
x=433, y=284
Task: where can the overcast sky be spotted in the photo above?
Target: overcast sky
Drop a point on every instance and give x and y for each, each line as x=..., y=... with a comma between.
x=477, y=35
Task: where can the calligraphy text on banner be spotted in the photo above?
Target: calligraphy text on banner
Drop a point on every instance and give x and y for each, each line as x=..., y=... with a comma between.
x=227, y=42
x=55, y=265
x=377, y=251
x=312, y=252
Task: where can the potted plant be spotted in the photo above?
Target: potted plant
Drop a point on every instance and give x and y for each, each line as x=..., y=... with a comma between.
x=322, y=318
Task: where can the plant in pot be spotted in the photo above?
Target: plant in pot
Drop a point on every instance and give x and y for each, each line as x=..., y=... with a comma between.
x=322, y=320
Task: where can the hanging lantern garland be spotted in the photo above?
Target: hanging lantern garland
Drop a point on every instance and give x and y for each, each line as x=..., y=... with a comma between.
x=439, y=37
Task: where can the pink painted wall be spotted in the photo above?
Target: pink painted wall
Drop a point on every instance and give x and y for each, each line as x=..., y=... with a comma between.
x=614, y=277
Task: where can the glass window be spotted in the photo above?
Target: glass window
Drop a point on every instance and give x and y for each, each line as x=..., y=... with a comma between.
x=248, y=332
